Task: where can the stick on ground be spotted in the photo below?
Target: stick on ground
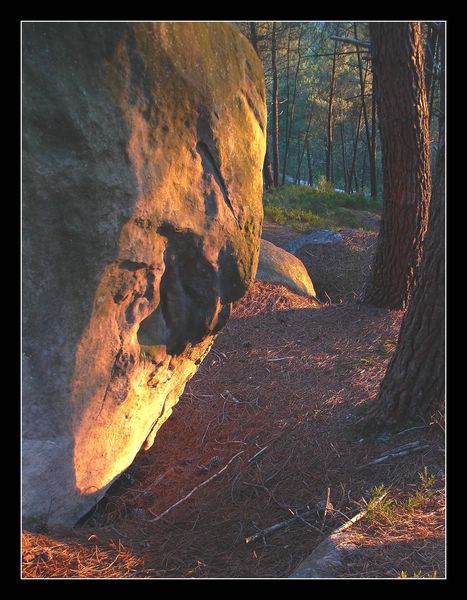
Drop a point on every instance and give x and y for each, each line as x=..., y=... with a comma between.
x=195, y=489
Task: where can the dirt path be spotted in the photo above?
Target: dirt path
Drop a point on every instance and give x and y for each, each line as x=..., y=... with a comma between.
x=283, y=388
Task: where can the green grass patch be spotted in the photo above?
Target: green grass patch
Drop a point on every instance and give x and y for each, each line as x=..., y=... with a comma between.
x=424, y=492
x=319, y=207
x=418, y=575
x=381, y=508
x=302, y=220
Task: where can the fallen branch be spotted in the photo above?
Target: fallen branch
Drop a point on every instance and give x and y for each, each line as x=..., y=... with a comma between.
x=411, y=429
x=195, y=489
x=282, y=524
x=328, y=556
x=397, y=453
x=272, y=528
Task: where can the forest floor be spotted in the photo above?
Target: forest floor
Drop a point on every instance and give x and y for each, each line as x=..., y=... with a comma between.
x=268, y=428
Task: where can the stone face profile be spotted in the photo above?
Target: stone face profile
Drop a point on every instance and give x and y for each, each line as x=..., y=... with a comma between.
x=143, y=146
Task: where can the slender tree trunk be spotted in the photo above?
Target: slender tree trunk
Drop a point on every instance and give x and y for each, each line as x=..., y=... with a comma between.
x=254, y=36
x=397, y=56
x=355, y=147
x=301, y=154
x=344, y=164
x=306, y=139
x=287, y=103
x=308, y=158
x=329, y=123
x=275, y=110
x=297, y=174
x=289, y=123
x=268, y=179
x=374, y=183
x=414, y=384
x=371, y=156
x=363, y=173
x=267, y=167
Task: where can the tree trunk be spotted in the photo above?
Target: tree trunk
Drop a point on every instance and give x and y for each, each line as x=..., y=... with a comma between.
x=355, y=146
x=297, y=174
x=290, y=119
x=374, y=184
x=275, y=110
x=344, y=164
x=267, y=167
x=329, y=124
x=307, y=132
x=397, y=57
x=268, y=179
x=363, y=173
x=371, y=155
x=308, y=158
x=413, y=386
x=254, y=36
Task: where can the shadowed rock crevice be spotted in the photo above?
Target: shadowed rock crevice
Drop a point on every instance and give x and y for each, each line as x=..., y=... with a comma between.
x=189, y=307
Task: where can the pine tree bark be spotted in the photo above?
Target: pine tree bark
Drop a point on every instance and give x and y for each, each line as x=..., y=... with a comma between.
x=413, y=387
x=397, y=57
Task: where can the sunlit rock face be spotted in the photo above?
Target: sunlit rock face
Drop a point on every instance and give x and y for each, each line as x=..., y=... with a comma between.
x=276, y=265
x=143, y=146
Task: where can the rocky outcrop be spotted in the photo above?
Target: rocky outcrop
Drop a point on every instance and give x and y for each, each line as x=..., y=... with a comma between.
x=279, y=266
x=143, y=145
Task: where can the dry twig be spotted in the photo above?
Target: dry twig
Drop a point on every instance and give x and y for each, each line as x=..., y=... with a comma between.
x=195, y=489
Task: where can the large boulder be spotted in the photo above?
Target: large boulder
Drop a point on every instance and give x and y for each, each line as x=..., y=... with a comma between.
x=143, y=145
x=279, y=266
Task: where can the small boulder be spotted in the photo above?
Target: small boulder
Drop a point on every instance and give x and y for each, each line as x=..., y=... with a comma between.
x=320, y=236
x=279, y=266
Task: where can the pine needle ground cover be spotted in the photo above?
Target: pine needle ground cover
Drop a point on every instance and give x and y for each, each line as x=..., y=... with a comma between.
x=269, y=429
